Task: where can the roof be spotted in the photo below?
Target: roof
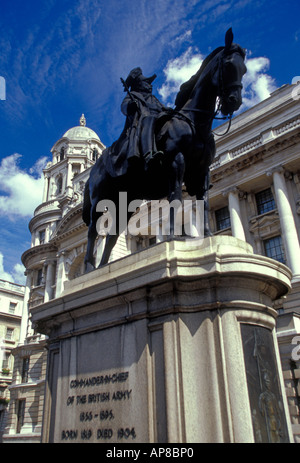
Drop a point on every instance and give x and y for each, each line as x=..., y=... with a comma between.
x=81, y=132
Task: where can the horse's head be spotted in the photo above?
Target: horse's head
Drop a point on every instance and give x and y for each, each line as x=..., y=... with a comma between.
x=228, y=75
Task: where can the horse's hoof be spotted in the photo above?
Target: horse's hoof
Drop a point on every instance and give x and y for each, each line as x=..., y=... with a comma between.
x=176, y=238
x=207, y=234
x=89, y=267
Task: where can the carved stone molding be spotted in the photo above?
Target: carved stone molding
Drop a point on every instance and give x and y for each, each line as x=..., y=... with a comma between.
x=263, y=226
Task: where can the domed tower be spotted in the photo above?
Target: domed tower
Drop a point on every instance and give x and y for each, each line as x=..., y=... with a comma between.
x=58, y=245
x=64, y=179
x=75, y=152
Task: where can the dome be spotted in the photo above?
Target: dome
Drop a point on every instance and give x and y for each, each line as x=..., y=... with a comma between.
x=81, y=132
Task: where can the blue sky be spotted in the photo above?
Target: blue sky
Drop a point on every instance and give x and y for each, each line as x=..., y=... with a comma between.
x=62, y=58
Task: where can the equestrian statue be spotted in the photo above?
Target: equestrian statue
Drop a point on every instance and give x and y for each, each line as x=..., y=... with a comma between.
x=161, y=148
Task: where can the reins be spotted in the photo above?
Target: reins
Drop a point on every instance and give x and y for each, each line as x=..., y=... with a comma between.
x=224, y=118
x=214, y=117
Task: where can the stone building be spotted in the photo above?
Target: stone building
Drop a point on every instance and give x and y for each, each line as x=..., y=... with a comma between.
x=56, y=254
x=255, y=197
x=11, y=305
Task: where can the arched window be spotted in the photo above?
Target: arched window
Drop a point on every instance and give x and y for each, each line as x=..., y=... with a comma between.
x=59, y=181
x=62, y=154
x=94, y=154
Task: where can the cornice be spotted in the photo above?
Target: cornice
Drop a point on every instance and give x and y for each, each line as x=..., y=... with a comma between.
x=43, y=249
x=279, y=102
x=50, y=205
x=61, y=232
x=77, y=141
x=69, y=232
x=10, y=317
x=49, y=214
x=255, y=150
x=59, y=235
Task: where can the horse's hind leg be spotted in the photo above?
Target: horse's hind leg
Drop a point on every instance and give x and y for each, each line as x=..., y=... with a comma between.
x=205, y=197
x=89, y=260
x=109, y=244
x=175, y=188
x=112, y=238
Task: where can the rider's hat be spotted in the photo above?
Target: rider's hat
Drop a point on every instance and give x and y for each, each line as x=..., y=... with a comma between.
x=137, y=74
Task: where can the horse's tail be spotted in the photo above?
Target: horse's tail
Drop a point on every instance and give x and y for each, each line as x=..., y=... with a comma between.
x=86, y=208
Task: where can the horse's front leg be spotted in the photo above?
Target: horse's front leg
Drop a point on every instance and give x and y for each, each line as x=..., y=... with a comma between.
x=109, y=245
x=205, y=197
x=89, y=261
x=175, y=189
x=113, y=235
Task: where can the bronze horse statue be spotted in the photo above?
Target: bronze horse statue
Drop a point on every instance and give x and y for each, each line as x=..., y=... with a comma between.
x=185, y=137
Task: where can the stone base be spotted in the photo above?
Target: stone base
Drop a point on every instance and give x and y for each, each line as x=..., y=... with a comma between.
x=175, y=343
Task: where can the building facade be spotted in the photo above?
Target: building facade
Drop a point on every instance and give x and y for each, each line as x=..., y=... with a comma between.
x=56, y=254
x=11, y=305
x=255, y=197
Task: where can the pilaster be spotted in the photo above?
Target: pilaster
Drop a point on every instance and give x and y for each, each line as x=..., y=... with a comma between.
x=235, y=212
x=25, y=314
x=287, y=222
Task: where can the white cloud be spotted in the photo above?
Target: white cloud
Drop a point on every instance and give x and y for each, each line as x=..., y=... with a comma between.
x=17, y=275
x=178, y=71
x=23, y=190
x=258, y=84
x=3, y=274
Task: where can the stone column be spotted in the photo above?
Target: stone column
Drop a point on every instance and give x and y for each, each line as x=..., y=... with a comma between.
x=47, y=232
x=61, y=273
x=50, y=274
x=235, y=213
x=25, y=313
x=46, y=186
x=52, y=188
x=288, y=227
x=69, y=188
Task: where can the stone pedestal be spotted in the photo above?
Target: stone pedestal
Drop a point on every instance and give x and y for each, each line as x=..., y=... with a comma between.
x=172, y=344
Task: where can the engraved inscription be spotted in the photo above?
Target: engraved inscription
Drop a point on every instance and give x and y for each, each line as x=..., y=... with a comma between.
x=97, y=403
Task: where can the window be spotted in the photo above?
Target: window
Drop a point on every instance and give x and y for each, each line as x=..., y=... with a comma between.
x=25, y=369
x=265, y=201
x=39, y=280
x=62, y=154
x=274, y=249
x=42, y=236
x=5, y=361
x=9, y=334
x=12, y=307
x=59, y=181
x=222, y=218
x=94, y=154
x=20, y=409
x=75, y=169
